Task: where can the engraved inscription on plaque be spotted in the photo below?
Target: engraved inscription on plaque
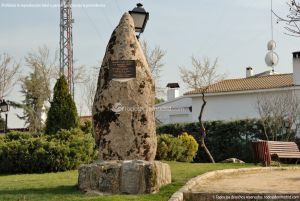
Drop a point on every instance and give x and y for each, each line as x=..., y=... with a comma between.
x=122, y=69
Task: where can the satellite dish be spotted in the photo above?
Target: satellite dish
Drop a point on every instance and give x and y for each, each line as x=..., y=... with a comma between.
x=271, y=58
x=271, y=45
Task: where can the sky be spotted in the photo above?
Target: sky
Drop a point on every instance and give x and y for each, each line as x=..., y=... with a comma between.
x=234, y=31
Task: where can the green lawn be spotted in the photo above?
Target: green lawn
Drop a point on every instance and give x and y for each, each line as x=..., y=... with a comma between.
x=62, y=186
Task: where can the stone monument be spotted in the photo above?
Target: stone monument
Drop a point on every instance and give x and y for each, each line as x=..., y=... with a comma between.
x=124, y=121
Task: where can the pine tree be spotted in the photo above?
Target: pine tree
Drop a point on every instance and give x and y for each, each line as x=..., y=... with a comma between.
x=62, y=113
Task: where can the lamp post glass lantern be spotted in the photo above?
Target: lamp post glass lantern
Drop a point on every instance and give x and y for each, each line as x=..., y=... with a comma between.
x=4, y=107
x=140, y=18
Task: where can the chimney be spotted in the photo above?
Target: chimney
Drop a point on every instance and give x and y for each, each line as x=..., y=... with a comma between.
x=296, y=68
x=249, y=71
x=173, y=91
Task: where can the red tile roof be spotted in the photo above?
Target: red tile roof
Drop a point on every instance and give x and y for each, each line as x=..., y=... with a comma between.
x=85, y=118
x=250, y=83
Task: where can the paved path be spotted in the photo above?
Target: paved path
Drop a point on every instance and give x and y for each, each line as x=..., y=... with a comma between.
x=279, y=181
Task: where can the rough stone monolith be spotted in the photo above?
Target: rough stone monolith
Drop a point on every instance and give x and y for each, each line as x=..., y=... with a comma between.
x=123, y=115
x=124, y=122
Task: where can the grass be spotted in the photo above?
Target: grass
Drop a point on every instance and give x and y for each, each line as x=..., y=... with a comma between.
x=62, y=186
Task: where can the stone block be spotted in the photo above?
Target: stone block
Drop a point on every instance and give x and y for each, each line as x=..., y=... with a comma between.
x=123, y=177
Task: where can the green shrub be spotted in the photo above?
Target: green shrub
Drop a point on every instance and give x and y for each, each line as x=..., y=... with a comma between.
x=25, y=153
x=169, y=148
x=225, y=139
x=87, y=127
x=191, y=147
x=182, y=148
x=17, y=136
x=62, y=113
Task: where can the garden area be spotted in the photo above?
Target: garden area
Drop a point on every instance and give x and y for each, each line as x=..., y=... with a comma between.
x=124, y=149
x=44, y=167
x=62, y=185
x=42, y=164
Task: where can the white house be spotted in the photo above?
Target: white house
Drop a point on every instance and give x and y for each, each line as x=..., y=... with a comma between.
x=175, y=109
x=229, y=99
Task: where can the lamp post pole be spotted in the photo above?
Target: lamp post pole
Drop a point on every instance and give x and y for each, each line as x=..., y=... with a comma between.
x=5, y=129
x=287, y=124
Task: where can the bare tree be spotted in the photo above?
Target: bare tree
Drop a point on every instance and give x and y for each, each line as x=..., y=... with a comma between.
x=8, y=74
x=154, y=58
x=292, y=19
x=201, y=77
x=42, y=62
x=90, y=90
x=79, y=76
x=36, y=87
x=90, y=86
x=49, y=66
x=275, y=111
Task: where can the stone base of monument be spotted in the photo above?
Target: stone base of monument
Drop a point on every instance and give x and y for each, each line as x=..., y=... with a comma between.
x=123, y=177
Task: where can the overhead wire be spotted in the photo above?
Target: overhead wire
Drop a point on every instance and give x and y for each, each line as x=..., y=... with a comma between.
x=116, y=2
x=92, y=23
x=272, y=35
x=107, y=19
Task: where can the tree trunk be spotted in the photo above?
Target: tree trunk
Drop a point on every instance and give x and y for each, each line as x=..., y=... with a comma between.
x=203, y=130
x=265, y=129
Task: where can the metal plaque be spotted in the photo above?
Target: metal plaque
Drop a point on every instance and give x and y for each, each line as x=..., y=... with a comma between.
x=122, y=69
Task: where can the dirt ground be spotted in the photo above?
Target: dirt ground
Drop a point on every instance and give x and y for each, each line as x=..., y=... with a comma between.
x=279, y=181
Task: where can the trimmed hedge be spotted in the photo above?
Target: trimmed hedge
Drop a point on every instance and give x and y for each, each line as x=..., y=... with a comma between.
x=224, y=140
x=27, y=153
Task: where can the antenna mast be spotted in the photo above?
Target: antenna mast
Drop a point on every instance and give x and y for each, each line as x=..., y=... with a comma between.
x=272, y=29
x=271, y=58
x=66, y=43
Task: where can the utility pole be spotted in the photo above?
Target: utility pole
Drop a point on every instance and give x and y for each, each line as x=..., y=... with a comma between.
x=66, y=43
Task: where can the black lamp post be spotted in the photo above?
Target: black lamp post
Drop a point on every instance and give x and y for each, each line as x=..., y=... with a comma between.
x=140, y=18
x=287, y=124
x=4, y=107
